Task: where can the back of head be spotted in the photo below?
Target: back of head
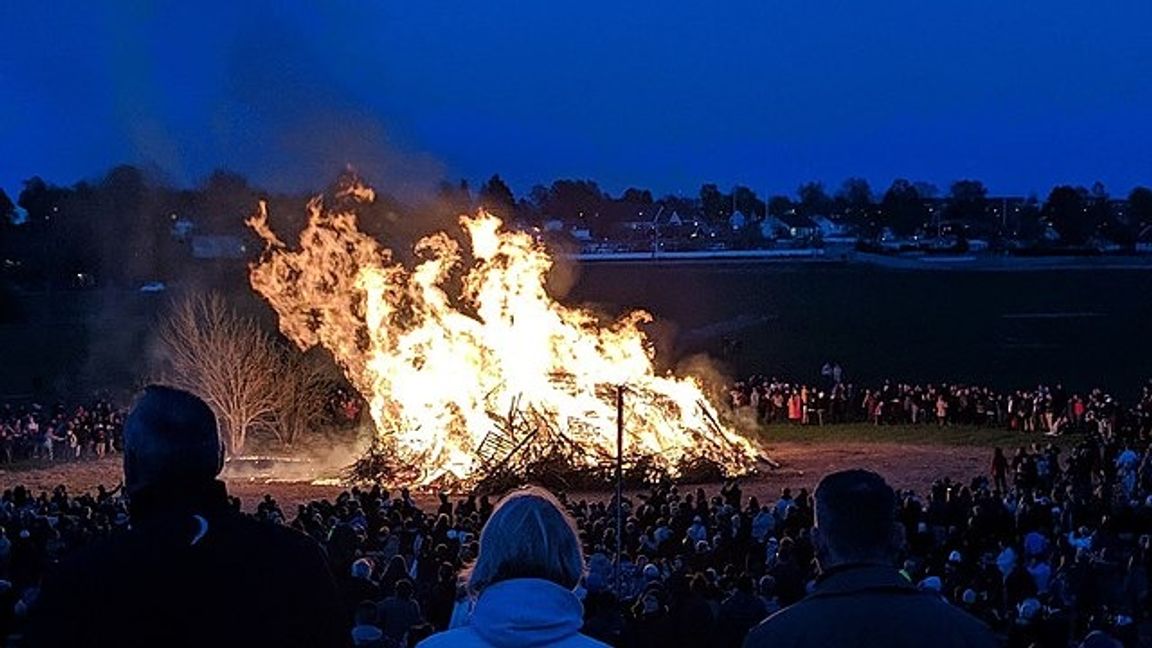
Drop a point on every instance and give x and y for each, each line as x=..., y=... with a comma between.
x=362, y=568
x=856, y=517
x=170, y=440
x=404, y=589
x=528, y=536
x=366, y=613
x=745, y=584
x=766, y=586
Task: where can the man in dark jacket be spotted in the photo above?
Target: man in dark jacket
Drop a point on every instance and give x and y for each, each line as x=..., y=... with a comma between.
x=192, y=571
x=860, y=599
x=739, y=612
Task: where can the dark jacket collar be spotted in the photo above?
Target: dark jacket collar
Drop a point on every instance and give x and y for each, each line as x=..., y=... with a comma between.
x=169, y=500
x=859, y=577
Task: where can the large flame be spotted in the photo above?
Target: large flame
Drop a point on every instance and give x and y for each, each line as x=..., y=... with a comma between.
x=443, y=349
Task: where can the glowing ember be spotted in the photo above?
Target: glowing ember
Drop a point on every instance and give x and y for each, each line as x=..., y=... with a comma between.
x=447, y=349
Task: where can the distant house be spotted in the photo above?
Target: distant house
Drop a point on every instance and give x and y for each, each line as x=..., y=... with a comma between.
x=673, y=228
x=636, y=225
x=1144, y=239
x=629, y=216
x=800, y=226
x=773, y=227
x=218, y=247
x=833, y=229
x=582, y=234
x=738, y=220
x=672, y=219
x=553, y=225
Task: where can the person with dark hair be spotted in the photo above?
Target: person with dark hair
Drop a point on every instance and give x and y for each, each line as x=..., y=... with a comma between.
x=366, y=632
x=398, y=613
x=191, y=570
x=694, y=622
x=396, y=571
x=860, y=598
x=740, y=612
x=442, y=597
x=359, y=586
x=999, y=470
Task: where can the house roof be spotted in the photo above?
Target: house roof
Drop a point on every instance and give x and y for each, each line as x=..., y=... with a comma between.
x=797, y=221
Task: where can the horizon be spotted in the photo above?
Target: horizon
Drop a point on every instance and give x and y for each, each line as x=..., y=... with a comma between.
x=162, y=180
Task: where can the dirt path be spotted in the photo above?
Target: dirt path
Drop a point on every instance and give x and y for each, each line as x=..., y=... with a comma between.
x=905, y=466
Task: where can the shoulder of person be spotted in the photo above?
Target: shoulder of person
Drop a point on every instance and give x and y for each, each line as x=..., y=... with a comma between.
x=781, y=624
x=99, y=556
x=283, y=536
x=466, y=636
x=455, y=638
x=962, y=620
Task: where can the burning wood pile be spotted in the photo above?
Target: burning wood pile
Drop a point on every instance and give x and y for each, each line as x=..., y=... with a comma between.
x=473, y=373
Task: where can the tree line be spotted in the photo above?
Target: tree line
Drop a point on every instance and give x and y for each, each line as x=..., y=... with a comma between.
x=123, y=228
x=906, y=207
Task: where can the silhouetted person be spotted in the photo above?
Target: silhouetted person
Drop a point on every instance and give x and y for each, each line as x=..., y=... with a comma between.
x=860, y=598
x=739, y=612
x=192, y=570
x=398, y=613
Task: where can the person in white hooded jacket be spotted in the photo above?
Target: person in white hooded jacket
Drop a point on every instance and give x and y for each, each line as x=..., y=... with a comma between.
x=524, y=578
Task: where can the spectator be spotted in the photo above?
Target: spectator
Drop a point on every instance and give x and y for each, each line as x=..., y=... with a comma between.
x=399, y=612
x=739, y=613
x=366, y=630
x=999, y=470
x=860, y=598
x=1070, y=533
x=529, y=551
x=359, y=587
x=191, y=571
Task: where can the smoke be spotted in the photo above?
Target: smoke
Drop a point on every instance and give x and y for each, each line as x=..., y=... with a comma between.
x=564, y=273
x=295, y=116
x=323, y=459
x=715, y=378
x=287, y=98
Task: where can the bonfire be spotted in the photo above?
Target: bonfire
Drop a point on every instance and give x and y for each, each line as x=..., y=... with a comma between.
x=471, y=370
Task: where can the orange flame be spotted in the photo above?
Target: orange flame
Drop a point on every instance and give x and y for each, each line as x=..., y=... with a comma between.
x=435, y=365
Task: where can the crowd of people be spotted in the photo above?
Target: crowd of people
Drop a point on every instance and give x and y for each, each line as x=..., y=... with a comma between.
x=1049, y=409
x=58, y=433
x=31, y=431
x=1050, y=545
x=1046, y=548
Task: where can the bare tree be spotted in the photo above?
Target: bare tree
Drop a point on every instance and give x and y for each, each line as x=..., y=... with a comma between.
x=228, y=360
x=305, y=384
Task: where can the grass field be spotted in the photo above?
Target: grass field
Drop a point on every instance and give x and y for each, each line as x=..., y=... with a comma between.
x=922, y=435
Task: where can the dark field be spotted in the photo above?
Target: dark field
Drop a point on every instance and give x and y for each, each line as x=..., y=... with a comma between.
x=1007, y=329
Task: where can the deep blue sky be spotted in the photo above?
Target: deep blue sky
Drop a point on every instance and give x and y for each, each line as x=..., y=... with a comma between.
x=661, y=94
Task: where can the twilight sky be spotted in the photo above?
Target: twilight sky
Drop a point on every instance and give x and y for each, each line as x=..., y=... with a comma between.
x=662, y=94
